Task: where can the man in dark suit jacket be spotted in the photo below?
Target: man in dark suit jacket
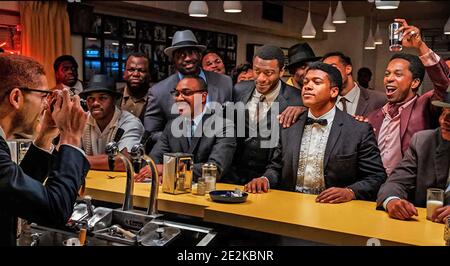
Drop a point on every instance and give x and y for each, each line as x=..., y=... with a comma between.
x=251, y=158
x=425, y=165
x=406, y=112
x=353, y=99
x=186, y=57
x=326, y=152
x=22, y=193
x=212, y=137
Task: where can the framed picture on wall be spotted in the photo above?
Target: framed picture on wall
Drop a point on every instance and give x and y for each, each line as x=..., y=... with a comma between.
x=145, y=31
x=231, y=42
x=110, y=26
x=159, y=55
x=160, y=33
x=128, y=28
x=221, y=41
x=146, y=49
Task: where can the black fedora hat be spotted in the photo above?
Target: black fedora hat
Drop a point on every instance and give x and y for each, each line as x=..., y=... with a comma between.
x=101, y=83
x=301, y=52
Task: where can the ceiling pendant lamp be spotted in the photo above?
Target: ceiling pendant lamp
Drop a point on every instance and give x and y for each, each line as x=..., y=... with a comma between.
x=309, y=31
x=328, y=25
x=370, y=42
x=378, y=38
x=198, y=9
x=381, y=4
x=339, y=16
x=232, y=6
x=447, y=27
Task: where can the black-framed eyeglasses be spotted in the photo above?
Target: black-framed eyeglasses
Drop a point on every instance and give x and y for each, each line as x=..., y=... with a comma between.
x=46, y=91
x=185, y=92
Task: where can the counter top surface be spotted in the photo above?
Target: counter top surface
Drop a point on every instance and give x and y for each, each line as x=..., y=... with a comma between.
x=281, y=212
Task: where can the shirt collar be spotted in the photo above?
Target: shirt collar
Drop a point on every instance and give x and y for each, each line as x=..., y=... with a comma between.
x=402, y=106
x=351, y=95
x=202, y=75
x=2, y=133
x=198, y=118
x=271, y=96
x=126, y=95
x=329, y=116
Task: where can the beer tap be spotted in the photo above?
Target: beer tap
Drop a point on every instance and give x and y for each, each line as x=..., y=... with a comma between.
x=112, y=150
x=137, y=155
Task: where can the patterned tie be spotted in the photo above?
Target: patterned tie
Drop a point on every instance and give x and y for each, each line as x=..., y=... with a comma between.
x=343, y=101
x=259, y=111
x=393, y=109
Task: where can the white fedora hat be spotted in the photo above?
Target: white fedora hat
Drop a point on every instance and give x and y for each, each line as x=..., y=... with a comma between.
x=183, y=39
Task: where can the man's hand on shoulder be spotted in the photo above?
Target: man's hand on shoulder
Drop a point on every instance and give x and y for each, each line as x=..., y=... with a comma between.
x=290, y=115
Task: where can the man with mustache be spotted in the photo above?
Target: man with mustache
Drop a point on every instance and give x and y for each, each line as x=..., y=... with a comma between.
x=202, y=133
x=66, y=74
x=103, y=122
x=425, y=165
x=185, y=54
x=137, y=76
x=326, y=152
x=406, y=112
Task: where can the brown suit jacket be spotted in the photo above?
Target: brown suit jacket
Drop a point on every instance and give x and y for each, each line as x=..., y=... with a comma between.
x=425, y=165
x=421, y=114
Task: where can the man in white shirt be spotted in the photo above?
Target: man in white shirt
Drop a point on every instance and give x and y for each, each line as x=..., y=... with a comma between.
x=105, y=118
x=326, y=152
x=353, y=99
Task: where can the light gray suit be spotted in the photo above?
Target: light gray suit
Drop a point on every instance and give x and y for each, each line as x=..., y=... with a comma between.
x=425, y=165
x=160, y=101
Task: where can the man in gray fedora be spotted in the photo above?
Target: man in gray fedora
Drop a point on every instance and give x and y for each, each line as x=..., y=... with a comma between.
x=104, y=119
x=426, y=164
x=299, y=56
x=185, y=54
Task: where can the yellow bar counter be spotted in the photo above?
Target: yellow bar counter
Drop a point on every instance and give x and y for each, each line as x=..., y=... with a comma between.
x=280, y=212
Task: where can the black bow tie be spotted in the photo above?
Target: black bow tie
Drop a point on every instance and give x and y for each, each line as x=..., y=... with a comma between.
x=310, y=121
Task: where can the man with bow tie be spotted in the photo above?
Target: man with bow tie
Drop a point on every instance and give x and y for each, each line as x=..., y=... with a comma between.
x=326, y=152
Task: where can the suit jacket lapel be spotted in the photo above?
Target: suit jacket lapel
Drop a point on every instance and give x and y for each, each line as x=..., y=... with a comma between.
x=404, y=118
x=442, y=161
x=281, y=99
x=198, y=132
x=362, y=102
x=334, y=135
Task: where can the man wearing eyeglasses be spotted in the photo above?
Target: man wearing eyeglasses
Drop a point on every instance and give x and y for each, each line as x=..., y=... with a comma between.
x=137, y=76
x=185, y=54
x=197, y=130
x=24, y=105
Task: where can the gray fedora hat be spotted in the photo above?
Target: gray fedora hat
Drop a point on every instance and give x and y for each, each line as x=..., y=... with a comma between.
x=445, y=102
x=299, y=53
x=183, y=39
x=101, y=83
